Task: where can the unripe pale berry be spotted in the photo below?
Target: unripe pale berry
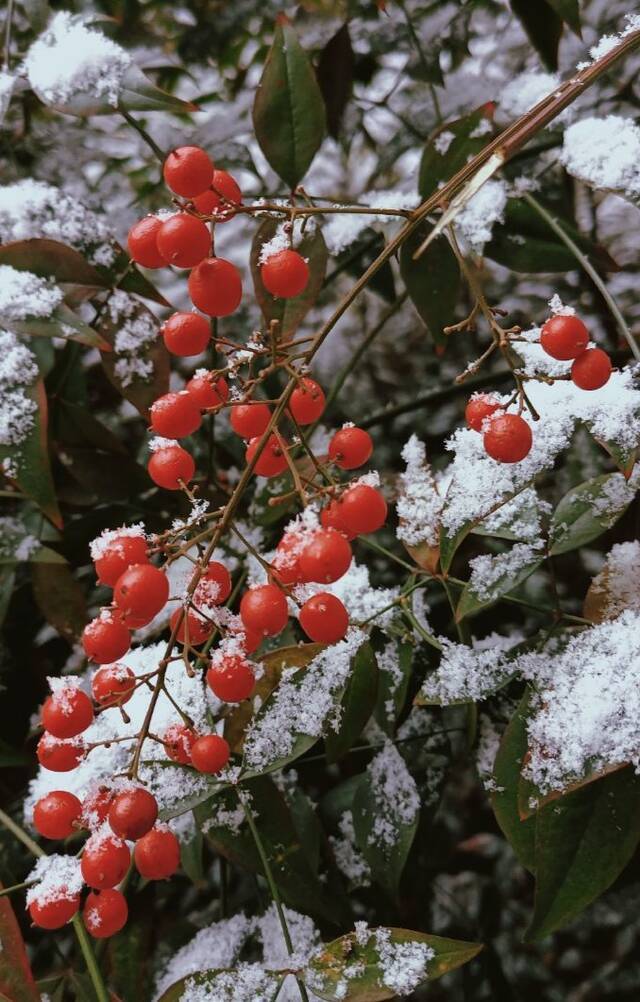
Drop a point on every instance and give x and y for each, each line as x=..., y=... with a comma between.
x=325, y=557
x=564, y=336
x=207, y=391
x=178, y=741
x=591, y=369
x=264, y=609
x=142, y=245
x=210, y=202
x=120, y=553
x=210, y=753
x=193, y=628
x=186, y=334
x=170, y=467
x=324, y=618
x=57, y=755
x=133, y=813
x=215, y=287
x=67, y=712
x=363, y=509
x=113, y=685
x=55, y=911
x=307, y=401
x=157, y=854
x=183, y=240
x=350, y=447
x=105, y=913
x=105, y=639
x=57, y=814
x=285, y=274
x=480, y=407
x=508, y=438
x=105, y=861
x=142, y=591
x=231, y=678
x=175, y=415
x=188, y=171
x=272, y=460
x=249, y=420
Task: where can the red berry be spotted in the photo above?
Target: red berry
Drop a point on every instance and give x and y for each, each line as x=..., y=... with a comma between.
x=133, y=813
x=564, y=337
x=285, y=274
x=508, y=438
x=119, y=553
x=105, y=861
x=326, y=557
x=591, y=369
x=210, y=203
x=363, y=509
x=178, y=742
x=157, y=854
x=113, y=685
x=331, y=518
x=105, y=913
x=193, y=628
x=142, y=243
x=67, y=712
x=479, y=408
x=214, y=586
x=350, y=447
x=105, y=638
x=59, y=756
x=324, y=618
x=56, y=815
x=95, y=807
x=186, y=334
x=175, y=415
x=210, y=753
x=285, y=563
x=264, y=609
x=188, y=171
x=215, y=287
x=207, y=391
x=231, y=678
x=250, y=640
x=170, y=467
x=183, y=240
x=54, y=911
x=272, y=460
x=249, y=420
x=142, y=591
x=307, y=401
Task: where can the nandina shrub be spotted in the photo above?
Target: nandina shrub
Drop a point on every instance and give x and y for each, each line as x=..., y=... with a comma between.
x=318, y=430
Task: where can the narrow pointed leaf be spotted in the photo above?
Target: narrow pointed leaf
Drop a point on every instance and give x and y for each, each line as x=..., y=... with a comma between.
x=504, y=798
x=358, y=702
x=433, y=281
x=589, y=510
x=16, y=979
x=29, y=460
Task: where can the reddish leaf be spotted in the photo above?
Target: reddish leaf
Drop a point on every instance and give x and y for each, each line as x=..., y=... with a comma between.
x=16, y=979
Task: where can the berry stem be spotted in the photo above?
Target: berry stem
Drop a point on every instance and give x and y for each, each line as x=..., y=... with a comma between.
x=90, y=959
x=142, y=132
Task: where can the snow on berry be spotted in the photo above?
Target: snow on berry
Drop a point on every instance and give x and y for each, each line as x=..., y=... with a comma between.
x=54, y=876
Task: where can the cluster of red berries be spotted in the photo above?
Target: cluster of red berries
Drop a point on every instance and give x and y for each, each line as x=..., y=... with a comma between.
x=507, y=437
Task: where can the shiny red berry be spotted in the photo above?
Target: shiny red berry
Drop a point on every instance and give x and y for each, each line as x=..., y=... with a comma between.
x=264, y=610
x=564, y=336
x=157, y=854
x=57, y=814
x=119, y=553
x=285, y=563
x=249, y=420
x=67, y=712
x=186, y=334
x=231, y=678
x=57, y=755
x=95, y=807
x=208, y=391
x=55, y=910
x=188, y=171
x=307, y=401
x=142, y=243
x=480, y=407
x=215, y=287
x=330, y=518
x=350, y=448
x=210, y=753
x=193, y=628
x=105, y=913
x=113, y=685
x=175, y=415
x=142, y=591
x=272, y=460
x=508, y=438
x=105, y=861
x=363, y=509
x=325, y=557
x=170, y=467
x=214, y=202
x=183, y=240
x=214, y=587
x=324, y=618
x=285, y=274
x=591, y=369
x=133, y=813
x=105, y=638
x=178, y=741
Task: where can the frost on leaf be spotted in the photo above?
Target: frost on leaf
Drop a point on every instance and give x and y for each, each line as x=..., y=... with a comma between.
x=23, y=295
x=18, y=371
x=466, y=674
x=396, y=795
x=605, y=153
x=616, y=587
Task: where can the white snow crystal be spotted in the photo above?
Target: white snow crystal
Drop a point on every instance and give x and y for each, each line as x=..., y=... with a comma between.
x=481, y=213
x=604, y=152
x=23, y=294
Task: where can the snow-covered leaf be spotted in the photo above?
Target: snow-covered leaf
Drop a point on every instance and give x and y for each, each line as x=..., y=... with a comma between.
x=449, y=149
x=221, y=984
x=616, y=587
x=27, y=462
x=495, y=576
x=357, y=704
x=138, y=365
x=588, y=510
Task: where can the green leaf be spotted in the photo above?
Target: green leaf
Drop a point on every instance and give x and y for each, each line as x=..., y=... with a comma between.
x=335, y=77
x=392, y=690
x=52, y=259
x=290, y=312
x=139, y=392
x=207, y=979
x=37, y=12
x=7, y=581
x=588, y=510
x=543, y=26
x=131, y=950
x=288, y=112
x=329, y=968
x=137, y=93
x=569, y=11
x=16, y=979
x=583, y=842
x=30, y=459
x=433, y=281
x=504, y=798
x=357, y=704
x=62, y=323
x=385, y=861
x=191, y=849
x=437, y=167
x=471, y=602
x=60, y=599
x=359, y=255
